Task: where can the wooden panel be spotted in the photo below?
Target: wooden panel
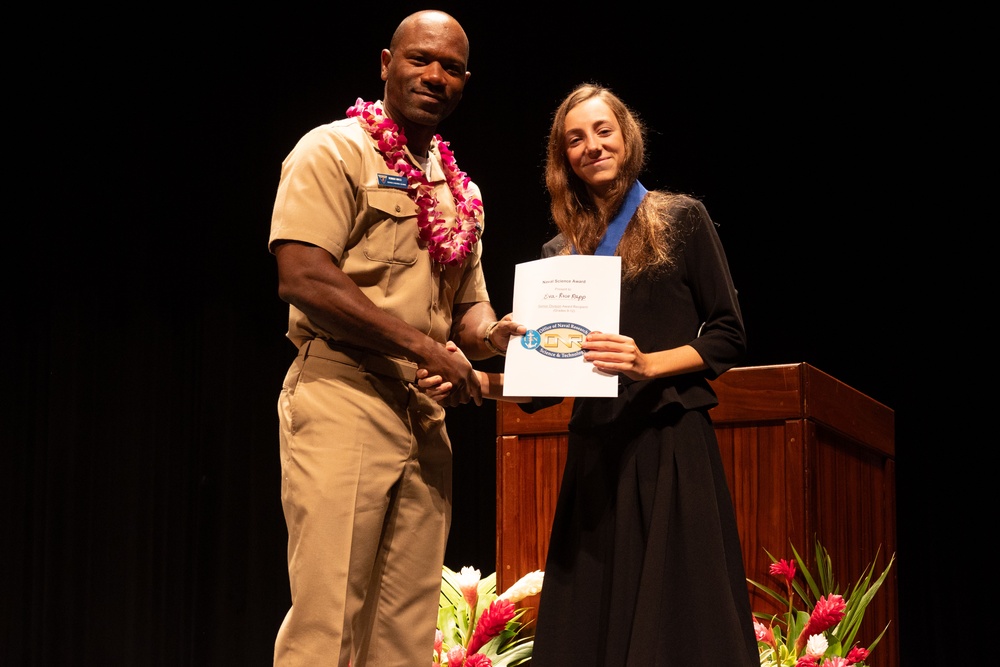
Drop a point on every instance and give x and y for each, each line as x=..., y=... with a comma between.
x=770, y=505
x=797, y=391
x=529, y=473
x=512, y=420
x=855, y=514
x=526, y=499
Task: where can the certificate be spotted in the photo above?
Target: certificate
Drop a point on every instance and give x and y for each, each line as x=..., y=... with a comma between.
x=560, y=300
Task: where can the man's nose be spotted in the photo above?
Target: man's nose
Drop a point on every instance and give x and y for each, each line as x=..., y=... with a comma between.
x=434, y=73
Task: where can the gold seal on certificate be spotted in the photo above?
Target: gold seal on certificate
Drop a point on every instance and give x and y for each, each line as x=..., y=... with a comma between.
x=560, y=300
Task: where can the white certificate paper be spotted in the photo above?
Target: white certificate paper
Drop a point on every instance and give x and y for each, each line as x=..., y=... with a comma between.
x=560, y=300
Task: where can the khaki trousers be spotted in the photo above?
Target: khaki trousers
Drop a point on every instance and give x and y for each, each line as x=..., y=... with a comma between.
x=366, y=491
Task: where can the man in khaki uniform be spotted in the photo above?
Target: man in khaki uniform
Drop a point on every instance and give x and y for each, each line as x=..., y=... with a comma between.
x=376, y=233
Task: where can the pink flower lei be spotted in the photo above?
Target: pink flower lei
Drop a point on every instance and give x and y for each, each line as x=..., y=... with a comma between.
x=446, y=244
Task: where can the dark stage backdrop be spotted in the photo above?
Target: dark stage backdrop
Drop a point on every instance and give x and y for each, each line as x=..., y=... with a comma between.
x=145, y=339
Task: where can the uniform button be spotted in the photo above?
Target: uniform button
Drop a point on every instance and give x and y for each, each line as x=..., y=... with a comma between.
x=398, y=209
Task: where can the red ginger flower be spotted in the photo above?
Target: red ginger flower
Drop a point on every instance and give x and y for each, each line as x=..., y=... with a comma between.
x=478, y=660
x=807, y=661
x=784, y=568
x=491, y=623
x=857, y=654
x=826, y=614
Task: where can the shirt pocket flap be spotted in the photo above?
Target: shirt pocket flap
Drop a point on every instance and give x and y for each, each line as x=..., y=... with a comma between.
x=394, y=203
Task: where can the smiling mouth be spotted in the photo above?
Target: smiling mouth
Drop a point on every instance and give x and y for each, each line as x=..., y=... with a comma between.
x=429, y=96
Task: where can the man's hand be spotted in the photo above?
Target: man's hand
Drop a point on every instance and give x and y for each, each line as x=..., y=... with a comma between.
x=503, y=329
x=434, y=385
x=447, y=376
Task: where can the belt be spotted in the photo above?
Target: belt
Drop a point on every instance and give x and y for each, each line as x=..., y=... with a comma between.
x=365, y=360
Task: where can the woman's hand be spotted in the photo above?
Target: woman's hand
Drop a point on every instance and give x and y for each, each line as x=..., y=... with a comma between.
x=614, y=353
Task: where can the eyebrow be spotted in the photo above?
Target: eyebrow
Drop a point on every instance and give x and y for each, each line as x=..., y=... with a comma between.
x=596, y=123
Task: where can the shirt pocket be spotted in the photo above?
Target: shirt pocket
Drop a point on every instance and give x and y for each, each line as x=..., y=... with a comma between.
x=391, y=227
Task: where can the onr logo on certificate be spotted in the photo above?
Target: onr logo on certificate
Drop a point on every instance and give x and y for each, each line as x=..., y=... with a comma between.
x=560, y=300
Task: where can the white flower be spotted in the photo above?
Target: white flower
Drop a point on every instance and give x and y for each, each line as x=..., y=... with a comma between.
x=817, y=645
x=529, y=584
x=469, y=576
x=468, y=583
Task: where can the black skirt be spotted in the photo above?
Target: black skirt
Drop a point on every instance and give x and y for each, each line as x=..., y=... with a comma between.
x=644, y=564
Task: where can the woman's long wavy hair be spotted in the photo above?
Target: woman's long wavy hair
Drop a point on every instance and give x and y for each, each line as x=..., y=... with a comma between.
x=646, y=242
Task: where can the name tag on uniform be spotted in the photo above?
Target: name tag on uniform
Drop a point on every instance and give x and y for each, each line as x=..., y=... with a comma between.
x=392, y=181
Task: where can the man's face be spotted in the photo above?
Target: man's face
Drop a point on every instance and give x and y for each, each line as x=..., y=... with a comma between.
x=426, y=73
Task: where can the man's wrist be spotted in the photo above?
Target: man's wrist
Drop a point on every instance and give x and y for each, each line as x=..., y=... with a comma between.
x=489, y=342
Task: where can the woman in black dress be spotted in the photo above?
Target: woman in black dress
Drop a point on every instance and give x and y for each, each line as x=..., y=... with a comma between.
x=644, y=564
x=644, y=567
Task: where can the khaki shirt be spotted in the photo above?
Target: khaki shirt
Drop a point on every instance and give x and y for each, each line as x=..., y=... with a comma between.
x=329, y=195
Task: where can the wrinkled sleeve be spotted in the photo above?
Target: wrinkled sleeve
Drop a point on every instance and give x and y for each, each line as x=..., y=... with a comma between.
x=316, y=200
x=722, y=340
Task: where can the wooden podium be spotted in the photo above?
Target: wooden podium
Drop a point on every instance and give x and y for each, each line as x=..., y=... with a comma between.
x=806, y=457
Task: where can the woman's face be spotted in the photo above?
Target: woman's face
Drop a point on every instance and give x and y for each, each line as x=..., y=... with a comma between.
x=594, y=145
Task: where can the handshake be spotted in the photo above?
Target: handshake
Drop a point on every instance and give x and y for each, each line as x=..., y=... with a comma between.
x=454, y=381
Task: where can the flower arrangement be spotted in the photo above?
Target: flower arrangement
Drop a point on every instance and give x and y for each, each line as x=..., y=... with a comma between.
x=824, y=634
x=478, y=628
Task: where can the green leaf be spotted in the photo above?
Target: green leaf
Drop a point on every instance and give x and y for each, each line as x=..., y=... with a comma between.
x=816, y=594
x=860, y=596
x=782, y=600
x=516, y=656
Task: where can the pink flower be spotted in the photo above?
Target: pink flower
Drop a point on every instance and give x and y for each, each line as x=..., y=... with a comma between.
x=478, y=660
x=491, y=623
x=807, y=661
x=836, y=661
x=857, y=654
x=826, y=614
x=764, y=633
x=784, y=568
x=456, y=656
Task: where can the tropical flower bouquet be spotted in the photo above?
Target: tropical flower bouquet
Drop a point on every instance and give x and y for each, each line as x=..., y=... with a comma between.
x=478, y=628
x=823, y=635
